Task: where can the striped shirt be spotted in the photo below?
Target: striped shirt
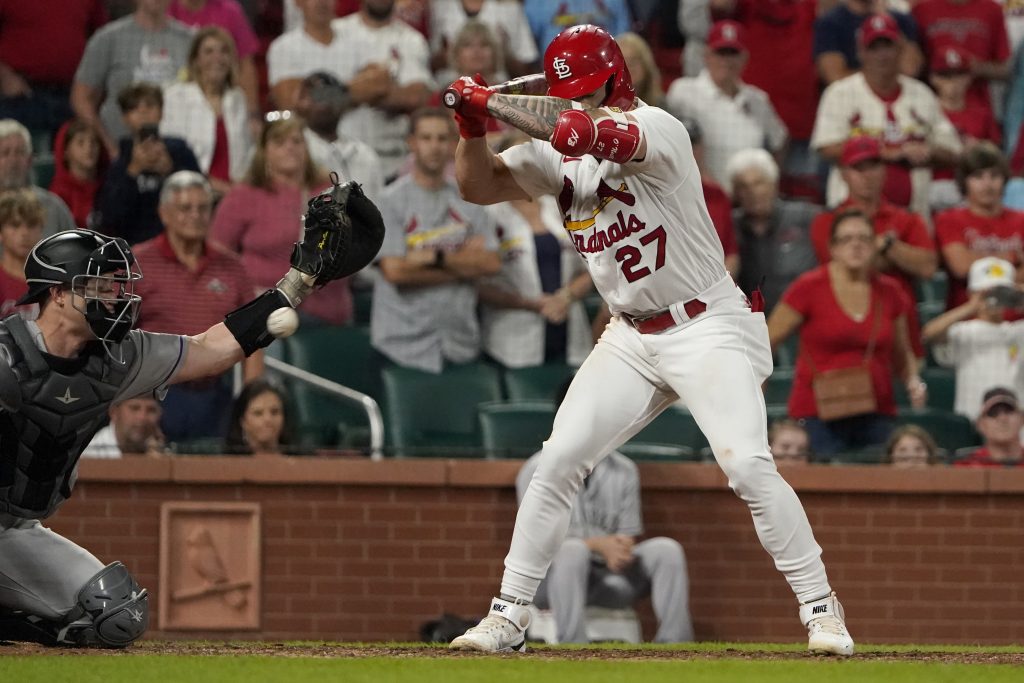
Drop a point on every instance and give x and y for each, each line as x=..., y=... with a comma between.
x=178, y=300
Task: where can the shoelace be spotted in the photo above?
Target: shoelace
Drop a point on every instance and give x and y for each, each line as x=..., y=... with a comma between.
x=831, y=625
x=492, y=623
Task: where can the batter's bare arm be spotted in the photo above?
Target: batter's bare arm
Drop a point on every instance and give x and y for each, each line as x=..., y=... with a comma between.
x=535, y=116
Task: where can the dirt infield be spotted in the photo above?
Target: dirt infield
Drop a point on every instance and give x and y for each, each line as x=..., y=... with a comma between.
x=343, y=650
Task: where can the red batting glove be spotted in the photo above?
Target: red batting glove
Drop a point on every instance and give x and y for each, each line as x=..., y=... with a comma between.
x=473, y=96
x=471, y=126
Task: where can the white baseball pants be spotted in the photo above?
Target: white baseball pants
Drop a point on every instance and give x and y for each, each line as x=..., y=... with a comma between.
x=716, y=363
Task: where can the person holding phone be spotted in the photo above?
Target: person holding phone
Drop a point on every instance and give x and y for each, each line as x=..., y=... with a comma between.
x=128, y=200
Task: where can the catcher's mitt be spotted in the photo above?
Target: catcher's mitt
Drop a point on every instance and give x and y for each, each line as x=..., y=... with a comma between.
x=343, y=233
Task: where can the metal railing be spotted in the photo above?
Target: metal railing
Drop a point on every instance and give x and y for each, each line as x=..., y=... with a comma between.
x=339, y=391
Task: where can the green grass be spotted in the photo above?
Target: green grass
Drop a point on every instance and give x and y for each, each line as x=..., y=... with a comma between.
x=420, y=665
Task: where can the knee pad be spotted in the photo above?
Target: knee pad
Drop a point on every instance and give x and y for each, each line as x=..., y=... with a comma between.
x=112, y=610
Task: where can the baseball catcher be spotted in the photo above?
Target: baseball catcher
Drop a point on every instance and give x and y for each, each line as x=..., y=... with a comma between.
x=60, y=373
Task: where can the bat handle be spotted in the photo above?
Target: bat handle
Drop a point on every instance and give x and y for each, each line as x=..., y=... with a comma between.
x=451, y=97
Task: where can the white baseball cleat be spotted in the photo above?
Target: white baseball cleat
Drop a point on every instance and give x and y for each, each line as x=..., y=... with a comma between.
x=502, y=630
x=826, y=627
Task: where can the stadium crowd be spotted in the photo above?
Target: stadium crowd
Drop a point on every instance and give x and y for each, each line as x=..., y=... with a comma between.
x=862, y=161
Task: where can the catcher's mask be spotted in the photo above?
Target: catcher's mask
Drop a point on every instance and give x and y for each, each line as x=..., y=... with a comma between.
x=100, y=271
x=583, y=59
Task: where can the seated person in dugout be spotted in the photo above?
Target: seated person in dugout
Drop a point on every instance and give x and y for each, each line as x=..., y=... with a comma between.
x=61, y=372
x=602, y=562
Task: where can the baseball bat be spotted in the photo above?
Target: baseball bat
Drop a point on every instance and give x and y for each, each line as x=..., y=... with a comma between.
x=532, y=84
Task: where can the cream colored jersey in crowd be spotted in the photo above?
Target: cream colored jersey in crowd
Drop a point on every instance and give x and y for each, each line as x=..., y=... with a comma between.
x=642, y=227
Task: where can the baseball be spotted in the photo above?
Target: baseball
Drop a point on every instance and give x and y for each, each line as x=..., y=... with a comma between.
x=283, y=322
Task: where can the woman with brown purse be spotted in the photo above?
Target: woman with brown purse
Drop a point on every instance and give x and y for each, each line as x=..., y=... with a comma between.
x=852, y=323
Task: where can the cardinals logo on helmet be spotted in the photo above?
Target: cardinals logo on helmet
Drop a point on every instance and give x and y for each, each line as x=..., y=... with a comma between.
x=562, y=68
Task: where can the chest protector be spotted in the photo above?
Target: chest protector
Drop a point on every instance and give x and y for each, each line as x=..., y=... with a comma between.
x=43, y=436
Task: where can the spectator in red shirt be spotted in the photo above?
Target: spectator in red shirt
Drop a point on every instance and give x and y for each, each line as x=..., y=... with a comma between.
x=191, y=283
x=903, y=247
x=788, y=75
x=951, y=78
x=260, y=217
x=41, y=43
x=982, y=228
x=21, y=226
x=999, y=424
x=848, y=316
x=979, y=27
x=78, y=162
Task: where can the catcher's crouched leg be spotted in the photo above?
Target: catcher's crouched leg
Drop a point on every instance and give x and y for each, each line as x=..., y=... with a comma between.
x=112, y=611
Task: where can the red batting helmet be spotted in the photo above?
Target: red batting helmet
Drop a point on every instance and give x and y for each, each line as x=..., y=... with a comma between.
x=583, y=59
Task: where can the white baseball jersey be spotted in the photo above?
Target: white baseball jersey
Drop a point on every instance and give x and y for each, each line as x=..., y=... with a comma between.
x=642, y=226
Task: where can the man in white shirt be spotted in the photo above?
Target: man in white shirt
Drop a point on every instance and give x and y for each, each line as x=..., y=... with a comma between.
x=383, y=61
x=902, y=112
x=321, y=100
x=506, y=19
x=984, y=349
x=732, y=114
x=134, y=429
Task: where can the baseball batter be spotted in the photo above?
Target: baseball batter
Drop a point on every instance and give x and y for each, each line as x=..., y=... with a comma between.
x=630, y=192
x=60, y=373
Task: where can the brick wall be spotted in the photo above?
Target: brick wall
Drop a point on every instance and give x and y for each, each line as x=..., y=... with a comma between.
x=354, y=550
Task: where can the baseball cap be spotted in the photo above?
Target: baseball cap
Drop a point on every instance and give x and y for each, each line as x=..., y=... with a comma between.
x=989, y=272
x=876, y=27
x=951, y=59
x=998, y=396
x=727, y=35
x=860, y=148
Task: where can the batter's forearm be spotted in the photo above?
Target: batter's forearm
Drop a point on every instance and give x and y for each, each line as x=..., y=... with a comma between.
x=533, y=115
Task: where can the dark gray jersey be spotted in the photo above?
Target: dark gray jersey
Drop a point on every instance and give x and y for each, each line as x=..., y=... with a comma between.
x=51, y=407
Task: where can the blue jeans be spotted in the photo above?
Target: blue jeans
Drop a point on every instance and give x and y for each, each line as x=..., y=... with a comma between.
x=194, y=411
x=847, y=434
x=47, y=108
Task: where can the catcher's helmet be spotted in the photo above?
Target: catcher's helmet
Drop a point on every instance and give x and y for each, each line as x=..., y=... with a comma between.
x=100, y=270
x=581, y=60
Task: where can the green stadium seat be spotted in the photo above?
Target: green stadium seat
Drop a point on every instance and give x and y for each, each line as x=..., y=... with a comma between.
x=941, y=387
x=676, y=427
x=539, y=383
x=950, y=431
x=933, y=289
x=343, y=355
x=515, y=429
x=873, y=455
x=930, y=309
x=778, y=387
x=362, y=303
x=436, y=415
x=42, y=170
x=641, y=451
